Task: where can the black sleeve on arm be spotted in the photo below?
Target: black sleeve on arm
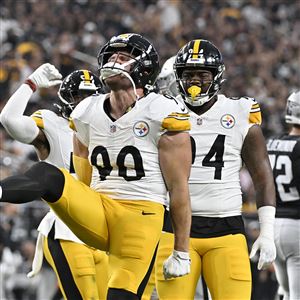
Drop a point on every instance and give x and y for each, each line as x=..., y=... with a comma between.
x=42, y=180
x=20, y=189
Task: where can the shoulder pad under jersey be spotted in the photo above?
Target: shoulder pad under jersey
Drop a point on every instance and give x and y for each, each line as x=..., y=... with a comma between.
x=174, y=115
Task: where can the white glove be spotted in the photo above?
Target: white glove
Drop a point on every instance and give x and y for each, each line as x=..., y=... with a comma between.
x=177, y=264
x=265, y=241
x=45, y=76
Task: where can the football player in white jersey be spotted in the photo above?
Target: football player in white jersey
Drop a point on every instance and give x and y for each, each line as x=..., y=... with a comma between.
x=284, y=154
x=76, y=265
x=225, y=133
x=166, y=83
x=137, y=146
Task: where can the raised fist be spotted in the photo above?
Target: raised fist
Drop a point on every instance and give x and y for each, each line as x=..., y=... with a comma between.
x=45, y=76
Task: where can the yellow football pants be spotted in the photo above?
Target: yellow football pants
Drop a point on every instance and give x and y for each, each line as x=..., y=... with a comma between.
x=150, y=286
x=223, y=261
x=128, y=230
x=82, y=271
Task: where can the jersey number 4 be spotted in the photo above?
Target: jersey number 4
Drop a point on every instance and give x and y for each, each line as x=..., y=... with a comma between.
x=214, y=157
x=106, y=169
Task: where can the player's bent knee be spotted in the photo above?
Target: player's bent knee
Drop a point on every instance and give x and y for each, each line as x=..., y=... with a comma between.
x=50, y=178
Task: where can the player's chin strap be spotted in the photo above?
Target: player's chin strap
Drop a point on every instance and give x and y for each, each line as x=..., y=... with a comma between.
x=38, y=257
x=113, y=68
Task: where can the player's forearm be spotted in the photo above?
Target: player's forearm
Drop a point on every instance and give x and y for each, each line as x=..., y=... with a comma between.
x=265, y=196
x=255, y=156
x=264, y=187
x=180, y=210
x=20, y=127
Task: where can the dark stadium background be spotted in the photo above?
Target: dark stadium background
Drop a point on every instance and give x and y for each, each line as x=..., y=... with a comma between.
x=259, y=40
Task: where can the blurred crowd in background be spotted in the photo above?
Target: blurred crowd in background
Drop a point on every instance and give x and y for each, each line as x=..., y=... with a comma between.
x=259, y=40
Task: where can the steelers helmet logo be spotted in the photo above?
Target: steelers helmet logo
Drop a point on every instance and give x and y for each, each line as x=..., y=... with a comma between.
x=141, y=128
x=227, y=121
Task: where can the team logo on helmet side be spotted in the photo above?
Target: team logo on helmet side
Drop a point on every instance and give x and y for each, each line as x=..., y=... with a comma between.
x=141, y=128
x=227, y=121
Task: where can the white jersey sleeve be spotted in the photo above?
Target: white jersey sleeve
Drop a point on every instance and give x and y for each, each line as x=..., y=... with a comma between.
x=80, y=119
x=217, y=140
x=59, y=136
x=169, y=114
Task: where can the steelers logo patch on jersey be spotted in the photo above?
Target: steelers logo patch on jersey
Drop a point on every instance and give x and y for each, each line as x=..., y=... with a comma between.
x=227, y=121
x=141, y=128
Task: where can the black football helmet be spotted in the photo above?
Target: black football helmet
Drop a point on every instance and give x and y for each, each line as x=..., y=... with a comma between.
x=74, y=88
x=199, y=55
x=144, y=59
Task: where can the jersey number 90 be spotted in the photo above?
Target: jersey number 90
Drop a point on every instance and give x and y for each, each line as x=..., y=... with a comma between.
x=106, y=169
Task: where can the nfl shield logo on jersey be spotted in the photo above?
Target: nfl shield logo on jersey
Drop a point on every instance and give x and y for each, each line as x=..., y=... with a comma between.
x=141, y=128
x=227, y=121
x=199, y=121
x=113, y=128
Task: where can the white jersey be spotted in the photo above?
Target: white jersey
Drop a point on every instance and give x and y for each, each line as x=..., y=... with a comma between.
x=217, y=140
x=124, y=153
x=60, y=138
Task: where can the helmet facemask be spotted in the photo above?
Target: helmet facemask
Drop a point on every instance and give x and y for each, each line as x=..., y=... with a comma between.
x=142, y=59
x=198, y=94
x=199, y=55
x=113, y=68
